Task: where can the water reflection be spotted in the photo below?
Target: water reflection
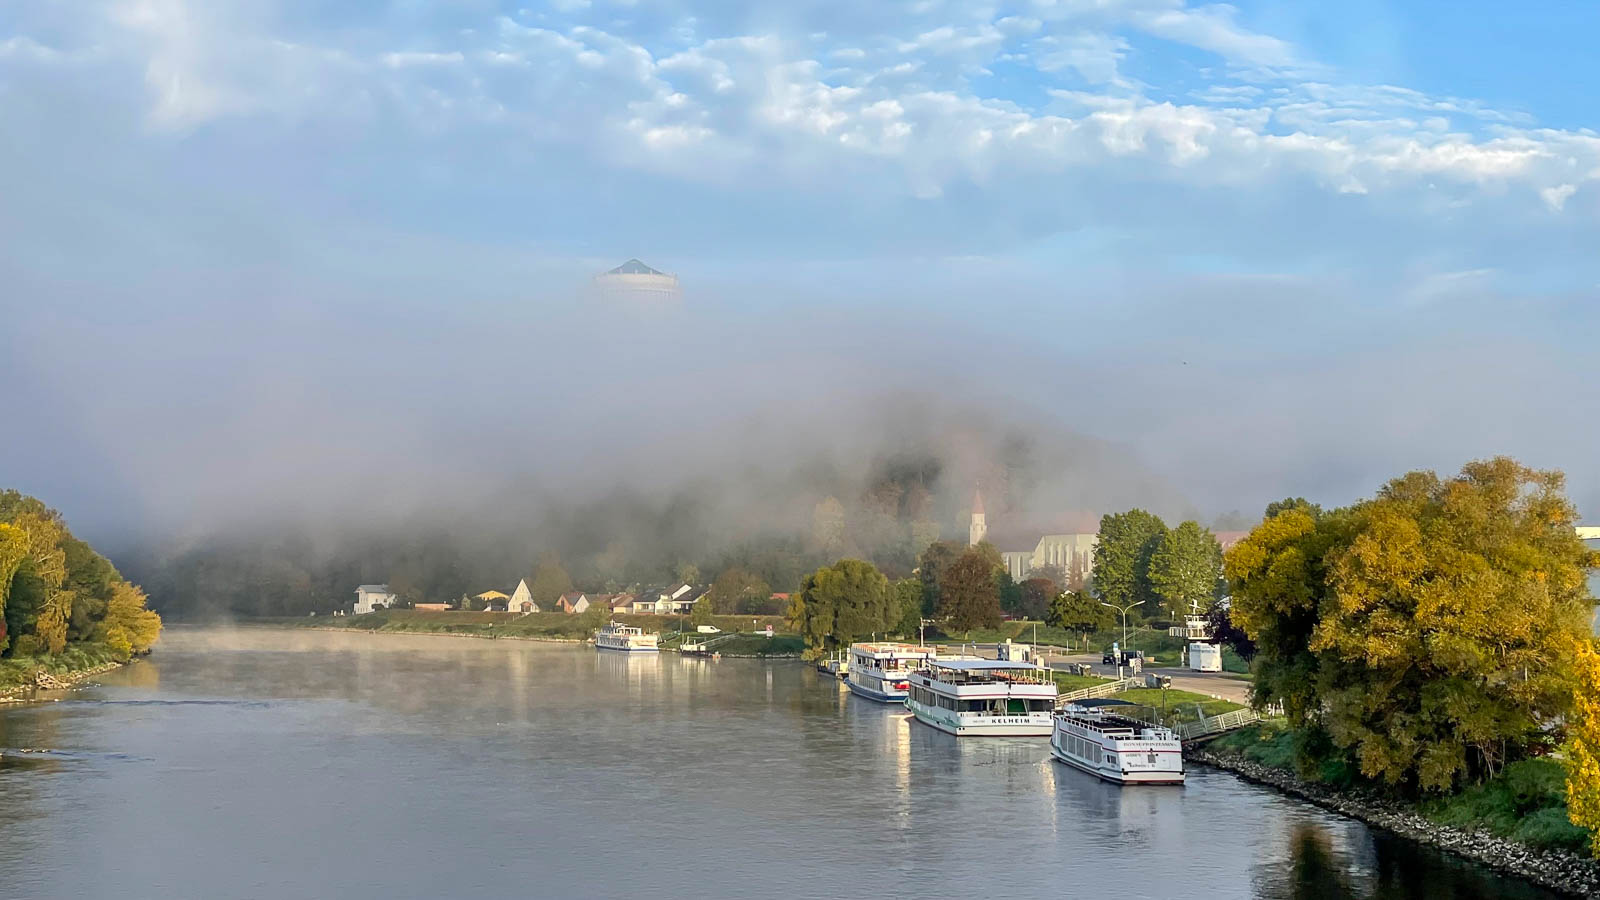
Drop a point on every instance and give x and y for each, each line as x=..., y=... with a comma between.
x=273, y=764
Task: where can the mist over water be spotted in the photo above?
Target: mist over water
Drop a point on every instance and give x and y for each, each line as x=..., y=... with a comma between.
x=265, y=764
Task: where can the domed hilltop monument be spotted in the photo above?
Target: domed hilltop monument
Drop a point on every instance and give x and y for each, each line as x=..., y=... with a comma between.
x=635, y=283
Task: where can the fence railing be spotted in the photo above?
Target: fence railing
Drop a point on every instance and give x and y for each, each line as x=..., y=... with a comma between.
x=1099, y=690
x=1217, y=724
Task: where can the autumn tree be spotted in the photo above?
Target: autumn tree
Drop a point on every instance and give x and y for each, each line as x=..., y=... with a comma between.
x=1122, y=556
x=1428, y=632
x=969, y=597
x=131, y=629
x=13, y=549
x=1583, y=744
x=840, y=604
x=1186, y=569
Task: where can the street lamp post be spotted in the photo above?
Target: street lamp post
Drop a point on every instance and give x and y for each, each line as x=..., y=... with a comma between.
x=1124, y=610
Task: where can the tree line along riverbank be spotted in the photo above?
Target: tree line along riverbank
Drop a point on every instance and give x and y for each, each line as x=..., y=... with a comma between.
x=65, y=610
x=557, y=626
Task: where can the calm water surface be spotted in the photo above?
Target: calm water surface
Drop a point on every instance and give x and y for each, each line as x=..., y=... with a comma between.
x=267, y=764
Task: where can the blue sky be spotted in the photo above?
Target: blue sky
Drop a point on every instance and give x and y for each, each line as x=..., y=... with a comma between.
x=1337, y=240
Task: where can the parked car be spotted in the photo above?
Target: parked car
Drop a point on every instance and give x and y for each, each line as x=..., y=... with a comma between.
x=1127, y=657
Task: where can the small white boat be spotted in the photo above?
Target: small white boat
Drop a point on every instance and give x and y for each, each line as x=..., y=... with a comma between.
x=1097, y=737
x=878, y=671
x=983, y=697
x=616, y=636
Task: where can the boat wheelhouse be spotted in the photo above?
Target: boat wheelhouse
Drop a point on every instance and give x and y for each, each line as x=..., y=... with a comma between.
x=983, y=697
x=616, y=636
x=1100, y=737
x=878, y=671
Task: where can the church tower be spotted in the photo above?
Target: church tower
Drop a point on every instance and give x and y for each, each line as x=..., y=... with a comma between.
x=979, y=529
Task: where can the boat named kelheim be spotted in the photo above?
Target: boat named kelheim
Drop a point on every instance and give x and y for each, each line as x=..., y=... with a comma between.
x=1099, y=738
x=984, y=697
x=878, y=670
x=616, y=636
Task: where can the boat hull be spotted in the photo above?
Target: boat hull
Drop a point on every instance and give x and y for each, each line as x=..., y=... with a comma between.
x=628, y=649
x=861, y=690
x=1116, y=776
x=980, y=729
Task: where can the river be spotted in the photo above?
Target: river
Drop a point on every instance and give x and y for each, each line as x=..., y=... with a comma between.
x=274, y=764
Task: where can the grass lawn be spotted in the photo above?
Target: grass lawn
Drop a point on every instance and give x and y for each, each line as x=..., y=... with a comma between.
x=1180, y=704
x=1068, y=682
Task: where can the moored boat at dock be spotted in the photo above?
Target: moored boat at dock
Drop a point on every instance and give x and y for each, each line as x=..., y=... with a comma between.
x=983, y=697
x=616, y=636
x=1099, y=737
x=878, y=670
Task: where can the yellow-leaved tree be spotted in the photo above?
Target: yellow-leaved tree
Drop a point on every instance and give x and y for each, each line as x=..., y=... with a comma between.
x=130, y=628
x=1583, y=745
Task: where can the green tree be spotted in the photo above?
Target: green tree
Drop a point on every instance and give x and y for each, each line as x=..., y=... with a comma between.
x=1078, y=611
x=968, y=594
x=549, y=580
x=1306, y=506
x=1428, y=632
x=840, y=604
x=596, y=616
x=906, y=598
x=1122, y=556
x=1186, y=570
x=931, y=566
x=1009, y=592
x=702, y=611
x=738, y=590
x=1037, y=595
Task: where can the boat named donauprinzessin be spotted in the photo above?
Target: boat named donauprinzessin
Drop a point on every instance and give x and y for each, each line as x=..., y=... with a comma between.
x=983, y=697
x=1103, y=738
x=878, y=670
x=616, y=636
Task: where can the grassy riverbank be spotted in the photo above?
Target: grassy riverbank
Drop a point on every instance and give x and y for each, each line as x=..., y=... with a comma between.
x=1526, y=803
x=552, y=626
x=19, y=674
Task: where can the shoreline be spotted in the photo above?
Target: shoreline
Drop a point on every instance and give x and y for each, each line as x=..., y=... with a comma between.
x=1563, y=873
x=54, y=682
x=490, y=637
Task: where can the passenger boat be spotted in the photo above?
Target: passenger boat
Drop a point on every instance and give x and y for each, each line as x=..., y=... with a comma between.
x=878, y=671
x=983, y=697
x=1099, y=738
x=616, y=636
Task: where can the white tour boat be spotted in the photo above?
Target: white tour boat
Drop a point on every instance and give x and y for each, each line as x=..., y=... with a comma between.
x=878, y=671
x=1094, y=736
x=616, y=636
x=997, y=698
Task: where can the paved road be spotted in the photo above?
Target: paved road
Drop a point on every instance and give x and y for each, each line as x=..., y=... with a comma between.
x=1212, y=684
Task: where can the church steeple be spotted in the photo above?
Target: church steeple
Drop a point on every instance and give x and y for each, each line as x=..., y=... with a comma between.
x=979, y=528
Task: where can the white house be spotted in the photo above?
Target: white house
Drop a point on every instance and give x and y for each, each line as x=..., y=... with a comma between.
x=573, y=602
x=522, y=599
x=373, y=596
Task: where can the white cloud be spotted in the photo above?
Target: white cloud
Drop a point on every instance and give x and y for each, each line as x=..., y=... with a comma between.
x=1556, y=197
